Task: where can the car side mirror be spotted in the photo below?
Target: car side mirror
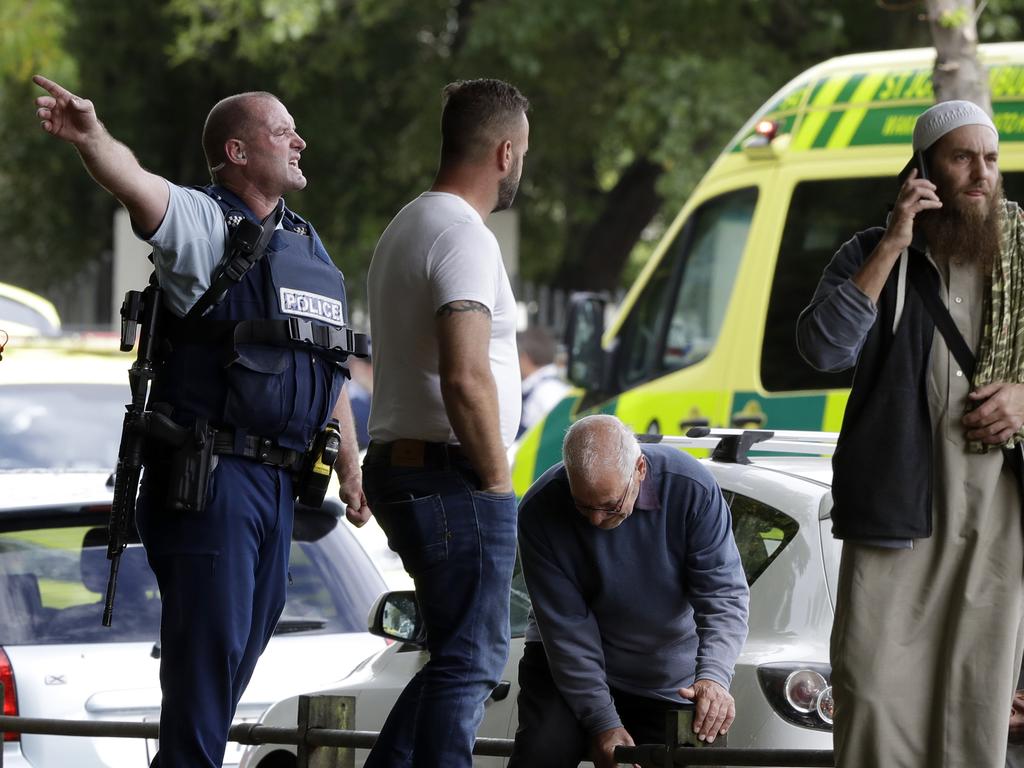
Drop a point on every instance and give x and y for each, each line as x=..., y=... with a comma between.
x=396, y=616
x=583, y=331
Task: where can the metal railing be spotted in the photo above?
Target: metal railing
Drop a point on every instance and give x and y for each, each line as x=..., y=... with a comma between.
x=324, y=739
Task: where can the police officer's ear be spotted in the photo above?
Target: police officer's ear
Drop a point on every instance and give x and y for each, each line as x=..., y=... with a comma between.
x=234, y=149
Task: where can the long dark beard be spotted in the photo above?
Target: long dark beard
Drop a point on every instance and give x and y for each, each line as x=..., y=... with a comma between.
x=962, y=233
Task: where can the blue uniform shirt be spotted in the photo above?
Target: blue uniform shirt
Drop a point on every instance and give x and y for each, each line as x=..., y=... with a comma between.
x=647, y=607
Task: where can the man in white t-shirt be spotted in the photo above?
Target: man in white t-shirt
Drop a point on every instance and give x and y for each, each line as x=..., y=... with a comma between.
x=445, y=408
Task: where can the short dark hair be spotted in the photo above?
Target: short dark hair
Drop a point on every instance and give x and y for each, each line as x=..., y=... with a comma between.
x=230, y=118
x=538, y=344
x=475, y=114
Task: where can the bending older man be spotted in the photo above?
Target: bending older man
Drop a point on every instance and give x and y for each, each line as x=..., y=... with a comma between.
x=601, y=668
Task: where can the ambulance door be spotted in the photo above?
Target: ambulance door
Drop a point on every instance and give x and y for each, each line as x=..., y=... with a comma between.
x=665, y=368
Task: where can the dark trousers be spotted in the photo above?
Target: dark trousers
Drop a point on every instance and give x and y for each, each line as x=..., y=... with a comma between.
x=550, y=736
x=222, y=575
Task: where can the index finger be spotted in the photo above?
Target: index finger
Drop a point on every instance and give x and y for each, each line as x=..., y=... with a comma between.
x=700, y=711
x=54, y=89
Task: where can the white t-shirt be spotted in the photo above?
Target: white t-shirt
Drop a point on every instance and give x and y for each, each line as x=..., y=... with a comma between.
x=435, y=251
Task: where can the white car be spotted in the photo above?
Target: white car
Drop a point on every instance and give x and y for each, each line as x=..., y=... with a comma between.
x=60, y=418
x=26, y=314
x=780, y=508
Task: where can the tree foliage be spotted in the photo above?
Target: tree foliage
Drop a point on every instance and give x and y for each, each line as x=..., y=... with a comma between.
x=630, y=103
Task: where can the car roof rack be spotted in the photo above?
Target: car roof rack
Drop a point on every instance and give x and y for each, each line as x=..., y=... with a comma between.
x=731, y=446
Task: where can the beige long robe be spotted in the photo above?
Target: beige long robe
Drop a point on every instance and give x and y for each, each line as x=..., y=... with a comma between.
x=927, y=641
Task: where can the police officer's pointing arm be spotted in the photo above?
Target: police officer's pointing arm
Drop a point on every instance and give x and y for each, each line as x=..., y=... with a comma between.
x=111, y=163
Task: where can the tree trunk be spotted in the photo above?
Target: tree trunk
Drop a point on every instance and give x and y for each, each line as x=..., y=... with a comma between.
x=958, y=74
x=628, y=208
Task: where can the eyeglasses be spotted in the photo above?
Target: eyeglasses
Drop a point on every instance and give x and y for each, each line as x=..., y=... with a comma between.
x=609, y=511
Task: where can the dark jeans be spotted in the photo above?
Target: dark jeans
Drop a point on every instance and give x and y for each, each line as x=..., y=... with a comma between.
x=550, y=736
x=458, y=544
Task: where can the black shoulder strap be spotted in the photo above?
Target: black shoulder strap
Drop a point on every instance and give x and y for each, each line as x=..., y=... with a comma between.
x=943, y=321
x=245, y=248
x=955, y=341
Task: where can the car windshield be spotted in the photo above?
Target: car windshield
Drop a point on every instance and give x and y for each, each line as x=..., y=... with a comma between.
x=61, y=426
x=53, y=581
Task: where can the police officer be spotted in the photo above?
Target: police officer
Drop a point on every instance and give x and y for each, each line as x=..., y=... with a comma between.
x=222, y=571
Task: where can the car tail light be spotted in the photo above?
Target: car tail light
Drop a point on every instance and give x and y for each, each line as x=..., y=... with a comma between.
x=10, y=693
x=799, y=693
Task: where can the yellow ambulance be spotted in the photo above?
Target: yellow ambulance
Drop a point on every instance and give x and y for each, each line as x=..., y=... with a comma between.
x=705, y=336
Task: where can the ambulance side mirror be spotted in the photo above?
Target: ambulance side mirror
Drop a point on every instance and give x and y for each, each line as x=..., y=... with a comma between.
x=583, y=331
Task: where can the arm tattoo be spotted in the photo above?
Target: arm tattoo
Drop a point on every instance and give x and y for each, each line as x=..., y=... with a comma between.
x=462, y=306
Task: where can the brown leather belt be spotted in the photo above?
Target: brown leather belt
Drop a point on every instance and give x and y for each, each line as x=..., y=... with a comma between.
x=414, y=453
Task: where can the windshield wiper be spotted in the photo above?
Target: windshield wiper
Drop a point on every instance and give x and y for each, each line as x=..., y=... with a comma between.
x=288, y=626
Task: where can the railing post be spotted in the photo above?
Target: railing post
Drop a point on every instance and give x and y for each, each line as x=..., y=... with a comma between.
x=329, y=712
x=679, y=733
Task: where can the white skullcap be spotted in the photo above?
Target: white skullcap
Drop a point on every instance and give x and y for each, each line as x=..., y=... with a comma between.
x=937, y=121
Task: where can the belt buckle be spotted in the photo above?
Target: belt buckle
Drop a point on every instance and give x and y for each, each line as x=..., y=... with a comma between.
x=408, y=453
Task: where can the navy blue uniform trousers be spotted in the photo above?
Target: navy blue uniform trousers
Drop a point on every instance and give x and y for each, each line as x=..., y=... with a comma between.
x=222, y=575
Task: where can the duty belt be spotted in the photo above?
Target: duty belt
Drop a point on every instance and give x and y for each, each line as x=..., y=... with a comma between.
x=261, y=449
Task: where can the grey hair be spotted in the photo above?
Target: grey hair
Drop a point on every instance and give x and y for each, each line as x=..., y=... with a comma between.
x=596, y=445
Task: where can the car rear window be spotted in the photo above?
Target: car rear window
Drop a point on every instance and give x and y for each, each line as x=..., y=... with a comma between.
x=53, y=582
x=761, y=533
x=61, y=426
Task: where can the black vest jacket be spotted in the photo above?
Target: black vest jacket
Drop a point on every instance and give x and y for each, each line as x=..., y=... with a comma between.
x=882, y=467
x=255, y=389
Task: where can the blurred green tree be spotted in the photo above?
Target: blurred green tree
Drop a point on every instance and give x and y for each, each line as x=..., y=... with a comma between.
x=631, y=102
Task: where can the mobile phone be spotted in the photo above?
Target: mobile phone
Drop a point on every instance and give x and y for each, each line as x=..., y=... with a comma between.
x=921, y=164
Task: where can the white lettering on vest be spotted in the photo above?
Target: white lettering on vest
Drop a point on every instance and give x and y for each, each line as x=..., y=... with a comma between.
x=313, y=305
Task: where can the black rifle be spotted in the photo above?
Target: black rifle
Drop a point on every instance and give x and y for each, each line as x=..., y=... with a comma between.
x=140, y=308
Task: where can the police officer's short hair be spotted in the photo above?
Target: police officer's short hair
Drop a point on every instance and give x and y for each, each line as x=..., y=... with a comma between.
x=230, y=118
x=475, y=115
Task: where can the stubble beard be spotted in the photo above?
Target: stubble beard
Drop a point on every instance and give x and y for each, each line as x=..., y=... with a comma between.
x=507, y=188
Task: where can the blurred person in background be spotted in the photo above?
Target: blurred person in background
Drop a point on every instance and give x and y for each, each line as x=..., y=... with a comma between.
x=360, y=396
x=543, y=385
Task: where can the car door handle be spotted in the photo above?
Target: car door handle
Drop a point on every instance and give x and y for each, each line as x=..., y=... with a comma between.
x=500, y=692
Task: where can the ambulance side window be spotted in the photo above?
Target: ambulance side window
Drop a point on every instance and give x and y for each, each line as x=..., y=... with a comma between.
x=679, y=314
x=822, y=216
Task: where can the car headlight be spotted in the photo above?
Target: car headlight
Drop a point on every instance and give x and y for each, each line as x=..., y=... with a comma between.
x=799, y=693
